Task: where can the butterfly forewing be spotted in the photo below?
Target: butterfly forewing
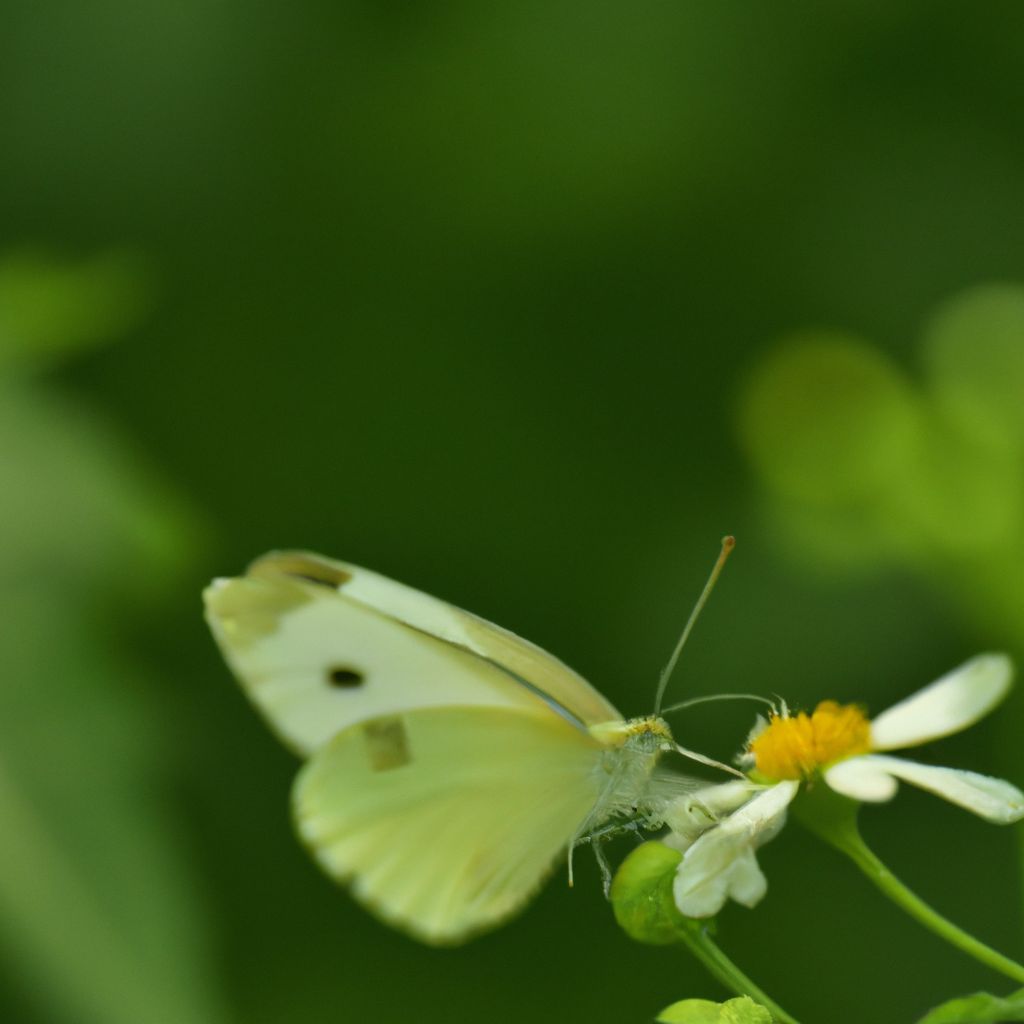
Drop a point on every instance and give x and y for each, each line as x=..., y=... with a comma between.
x=527, y=662
x=319, y=645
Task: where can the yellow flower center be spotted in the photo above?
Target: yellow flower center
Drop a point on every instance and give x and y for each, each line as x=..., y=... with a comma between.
x=796, y=747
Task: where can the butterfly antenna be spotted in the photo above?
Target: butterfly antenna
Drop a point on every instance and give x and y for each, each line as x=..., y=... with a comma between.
x=717, y=696
x=728, y=543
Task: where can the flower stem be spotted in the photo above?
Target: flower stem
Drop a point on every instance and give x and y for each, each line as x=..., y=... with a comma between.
x=833, y=818
x=704, y=948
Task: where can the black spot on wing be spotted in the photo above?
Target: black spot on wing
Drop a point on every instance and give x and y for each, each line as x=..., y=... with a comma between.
x=345, y=678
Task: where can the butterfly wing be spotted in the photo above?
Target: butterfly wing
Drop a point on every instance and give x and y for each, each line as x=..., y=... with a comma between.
x=446, y=819
x=319, y=645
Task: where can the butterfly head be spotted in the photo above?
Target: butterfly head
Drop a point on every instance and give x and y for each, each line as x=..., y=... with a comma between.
x=649, y=733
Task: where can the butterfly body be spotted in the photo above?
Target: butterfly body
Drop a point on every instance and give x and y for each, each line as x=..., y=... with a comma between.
x=448, y=761
x=627, y=765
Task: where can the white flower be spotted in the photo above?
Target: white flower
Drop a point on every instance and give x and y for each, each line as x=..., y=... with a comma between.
x=720, y=865
x=840, y=745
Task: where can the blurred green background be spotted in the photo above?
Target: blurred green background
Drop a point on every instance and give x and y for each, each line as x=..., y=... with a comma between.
x=525, y=305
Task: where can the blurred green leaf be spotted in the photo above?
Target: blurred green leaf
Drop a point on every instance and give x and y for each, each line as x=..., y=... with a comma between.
x=957, y=498
x=49, y=305
x=79, y=503
x=974, y=352
x=865, y=469
x=99, y=909
x=981, y=1008
x=827, y=419
x=742, y=1010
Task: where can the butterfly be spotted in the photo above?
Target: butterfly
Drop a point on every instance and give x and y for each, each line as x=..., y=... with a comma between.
x=448, y=762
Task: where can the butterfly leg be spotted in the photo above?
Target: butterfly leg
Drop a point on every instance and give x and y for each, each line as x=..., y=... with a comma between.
x=598, y=844
x=604, y=867
x=597, y=838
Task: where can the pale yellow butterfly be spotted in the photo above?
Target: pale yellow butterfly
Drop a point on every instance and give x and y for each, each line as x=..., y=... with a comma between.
x=448, y=760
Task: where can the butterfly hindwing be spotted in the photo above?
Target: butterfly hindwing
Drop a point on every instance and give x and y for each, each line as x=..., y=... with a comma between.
x=446, y=819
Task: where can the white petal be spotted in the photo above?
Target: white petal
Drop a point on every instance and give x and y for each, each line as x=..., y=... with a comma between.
x=720, y=865
x=992, y=799
x=701, y=887
x=860, y=778
x=948, y=705
x=762, y=818
x=747, y=884
x=689, y=817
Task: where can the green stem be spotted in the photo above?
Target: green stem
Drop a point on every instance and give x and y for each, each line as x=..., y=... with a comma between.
x=703, y=947
x=833, y=818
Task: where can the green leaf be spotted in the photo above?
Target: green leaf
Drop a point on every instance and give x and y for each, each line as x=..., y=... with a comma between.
x=100, y=916
x=974, y=351
x=701, y=1011
x=827, y=419
x=50, y=305
x=78, y=503
x=641, y=895
x=981, y=1008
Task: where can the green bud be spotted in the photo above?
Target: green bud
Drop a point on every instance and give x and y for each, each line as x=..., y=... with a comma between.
x=641, y=895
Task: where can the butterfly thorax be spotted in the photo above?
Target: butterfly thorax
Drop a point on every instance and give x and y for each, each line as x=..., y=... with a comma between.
x=624, y=771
